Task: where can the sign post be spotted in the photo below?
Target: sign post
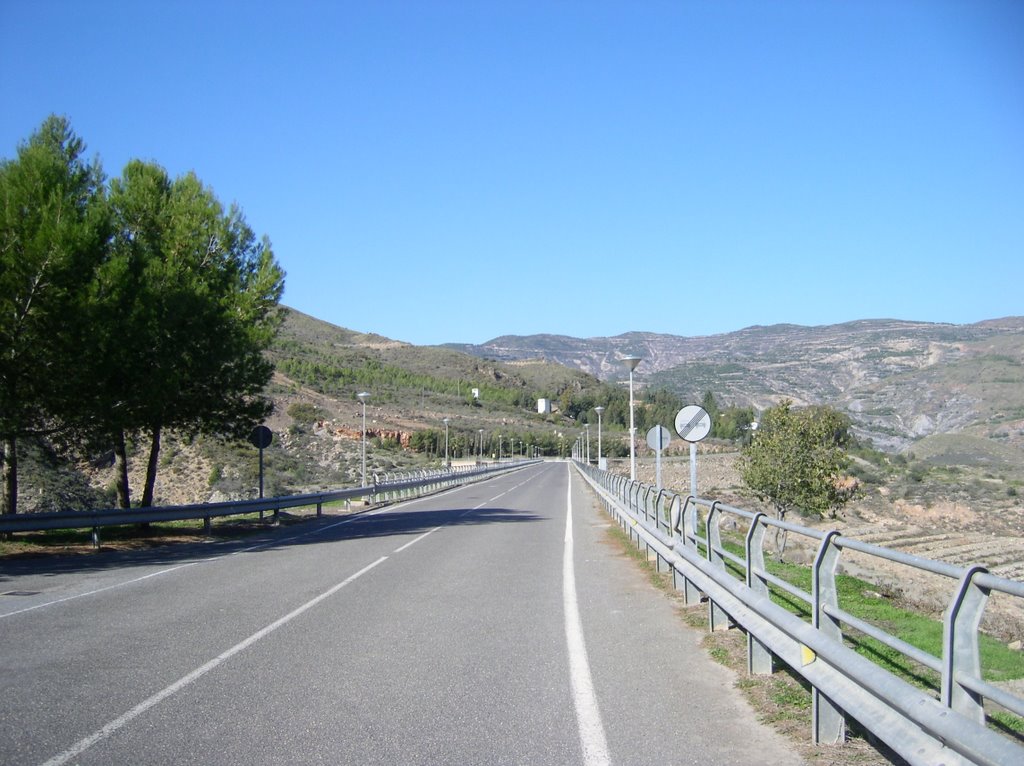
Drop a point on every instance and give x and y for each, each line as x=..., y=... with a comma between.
x=657, y=439
x=260, y=438
x=693, y=423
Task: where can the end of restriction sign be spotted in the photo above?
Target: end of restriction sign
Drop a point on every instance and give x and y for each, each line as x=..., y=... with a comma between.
x=693, y=423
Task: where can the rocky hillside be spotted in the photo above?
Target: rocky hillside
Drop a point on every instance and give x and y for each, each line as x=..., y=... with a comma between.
x=951, y=395
x=317, y=422
x=899, y=381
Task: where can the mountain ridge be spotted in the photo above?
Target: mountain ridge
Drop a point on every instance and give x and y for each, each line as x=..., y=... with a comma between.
x=898, y=380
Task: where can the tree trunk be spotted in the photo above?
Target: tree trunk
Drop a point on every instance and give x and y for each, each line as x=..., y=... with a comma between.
x=154, y=457
x=781, y=535
x=9, y=469
x=121, y=470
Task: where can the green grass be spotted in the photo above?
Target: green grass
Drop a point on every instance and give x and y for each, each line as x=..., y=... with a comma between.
x=862, y=599
x=783, y=699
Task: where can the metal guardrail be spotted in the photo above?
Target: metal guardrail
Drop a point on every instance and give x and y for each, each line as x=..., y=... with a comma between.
x=685, y=534
x=392, y=487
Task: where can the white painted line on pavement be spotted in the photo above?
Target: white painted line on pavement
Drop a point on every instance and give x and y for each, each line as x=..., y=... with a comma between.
x=465, y=513
x=99, y=590
x=84, y=744
x=413, y=542
x=252, y=548
x=588, y=715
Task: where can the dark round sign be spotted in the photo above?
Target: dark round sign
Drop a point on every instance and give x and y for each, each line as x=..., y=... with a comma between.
x=261, y=437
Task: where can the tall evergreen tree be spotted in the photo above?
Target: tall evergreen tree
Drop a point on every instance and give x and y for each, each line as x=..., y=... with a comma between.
x=184, y=310
x=53, y=233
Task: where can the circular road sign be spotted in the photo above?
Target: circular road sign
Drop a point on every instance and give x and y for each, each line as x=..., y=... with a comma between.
x=261, y=437
x=693, y=423
x=658, y=438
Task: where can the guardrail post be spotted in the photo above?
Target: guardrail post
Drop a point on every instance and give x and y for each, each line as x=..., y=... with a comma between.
x=659, y=509
x=631, y=505
x=718, y=619
x=664, y=565
x=960, y=654
x=690, y=522
x=759, y=658
x=640, y=507
x=675, y=518
x=827, y=720
x=206, y=525
x=96, y=538
x=644, y=497
x=691, y=593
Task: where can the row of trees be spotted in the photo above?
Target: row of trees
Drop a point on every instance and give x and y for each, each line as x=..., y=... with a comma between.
x=465, y=442
x=127, y=308
x=656, y=406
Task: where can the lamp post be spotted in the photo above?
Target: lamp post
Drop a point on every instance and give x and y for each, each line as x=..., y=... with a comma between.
x=447, y=463
x=631, y=362
x=363, y=396
x=587, y=425
x=499, y=448
x=599, y=409
x=480, y=455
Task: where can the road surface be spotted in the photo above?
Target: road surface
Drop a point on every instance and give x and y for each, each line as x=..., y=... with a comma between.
x=489, y=624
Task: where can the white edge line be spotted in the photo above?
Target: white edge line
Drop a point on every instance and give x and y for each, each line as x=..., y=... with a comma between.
x=588, y=714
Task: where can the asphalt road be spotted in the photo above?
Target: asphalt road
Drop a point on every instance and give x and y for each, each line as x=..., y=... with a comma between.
x=468, y=627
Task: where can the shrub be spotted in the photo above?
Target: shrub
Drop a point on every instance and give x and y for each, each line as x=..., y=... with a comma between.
x=305, y=412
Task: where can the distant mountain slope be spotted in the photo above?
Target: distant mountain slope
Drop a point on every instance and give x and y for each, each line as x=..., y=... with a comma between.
x=305, y=336
x=414, y=384
x=899, y=381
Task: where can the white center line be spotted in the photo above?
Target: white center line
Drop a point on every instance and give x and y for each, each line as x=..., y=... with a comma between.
x=99, y=590
x=413, y=542
x=84, y=744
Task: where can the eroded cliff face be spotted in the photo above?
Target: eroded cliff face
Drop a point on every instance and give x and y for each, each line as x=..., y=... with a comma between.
x=899, y=381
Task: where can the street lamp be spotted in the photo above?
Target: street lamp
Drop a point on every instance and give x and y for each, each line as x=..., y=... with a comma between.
x=587, y=426
x=631, y=362
x=599, y=409
x=499, y=448
x=480, y=455
x=447, y=463
x=363, y=396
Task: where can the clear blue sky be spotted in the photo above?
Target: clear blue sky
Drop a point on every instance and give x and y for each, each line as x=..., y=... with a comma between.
x=454, y=171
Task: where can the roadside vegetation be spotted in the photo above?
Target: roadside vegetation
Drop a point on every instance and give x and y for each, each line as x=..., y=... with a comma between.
x=783, y=699
x=129, y=310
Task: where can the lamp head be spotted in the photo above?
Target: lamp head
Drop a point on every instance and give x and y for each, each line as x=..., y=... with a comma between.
x=631, y=362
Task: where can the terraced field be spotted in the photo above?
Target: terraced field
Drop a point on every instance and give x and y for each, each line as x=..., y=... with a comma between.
x=962, y=532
